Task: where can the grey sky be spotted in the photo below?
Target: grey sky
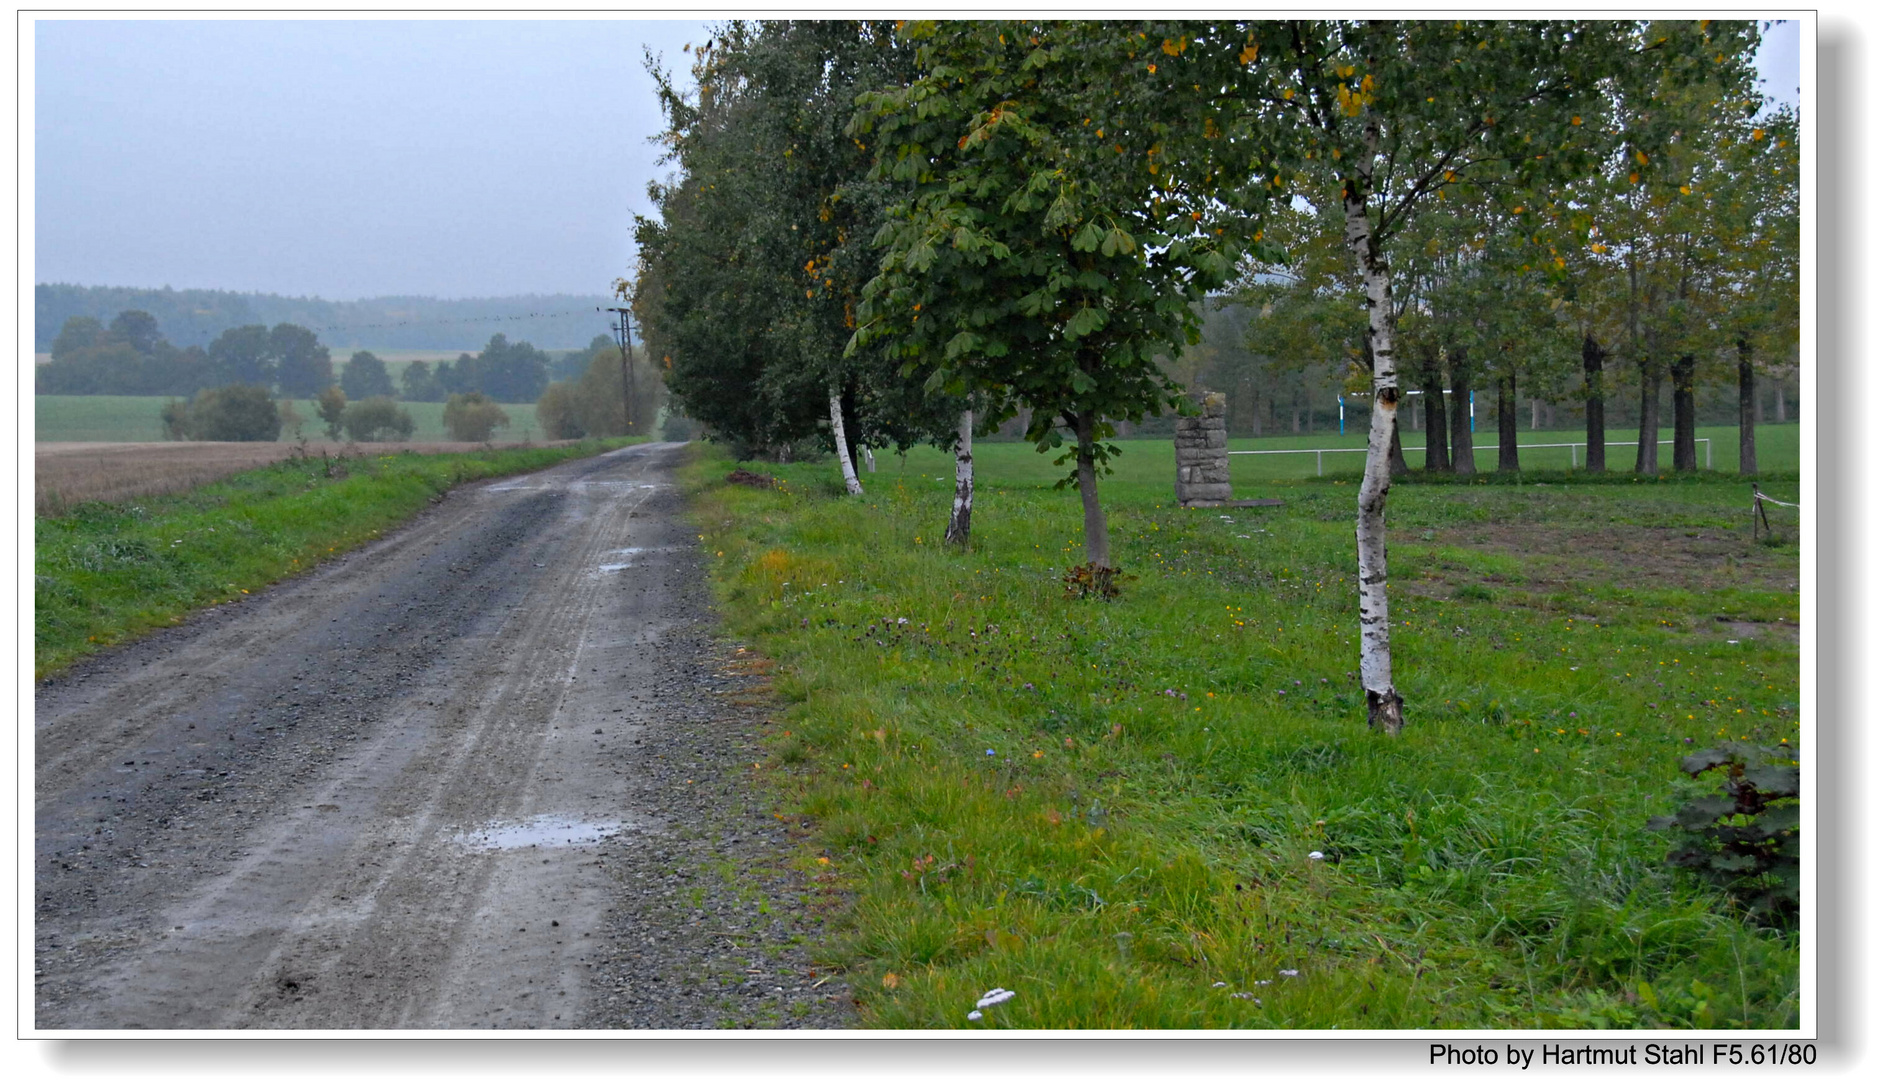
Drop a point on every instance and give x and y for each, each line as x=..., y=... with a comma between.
x=347, y=159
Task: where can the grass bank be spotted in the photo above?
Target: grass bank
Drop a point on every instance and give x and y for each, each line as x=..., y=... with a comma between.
x=105, y=573
x=1112, y=808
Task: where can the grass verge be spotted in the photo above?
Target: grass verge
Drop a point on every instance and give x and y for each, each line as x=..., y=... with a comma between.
x=105, y=573
x=1112, y=808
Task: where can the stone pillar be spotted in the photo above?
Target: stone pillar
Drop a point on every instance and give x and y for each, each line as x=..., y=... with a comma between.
x=1203, y=475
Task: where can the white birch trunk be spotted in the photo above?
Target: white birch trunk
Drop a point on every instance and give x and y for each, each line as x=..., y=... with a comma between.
x=871, y=463
x=958, y=531
x=839, y=441
x=1384, y=704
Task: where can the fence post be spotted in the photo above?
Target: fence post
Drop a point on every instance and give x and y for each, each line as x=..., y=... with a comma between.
x=1320, y=462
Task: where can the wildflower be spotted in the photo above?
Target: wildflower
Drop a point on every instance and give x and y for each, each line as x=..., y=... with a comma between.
x=1316, y=856
x=974, y=1014
x=1288, y=973
x=1217, y=985
x=989, y=753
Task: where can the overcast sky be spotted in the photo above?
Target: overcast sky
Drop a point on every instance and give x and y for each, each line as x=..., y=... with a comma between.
x=347, y=159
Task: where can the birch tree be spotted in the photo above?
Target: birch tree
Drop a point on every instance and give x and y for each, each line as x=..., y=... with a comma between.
x=1391, y=114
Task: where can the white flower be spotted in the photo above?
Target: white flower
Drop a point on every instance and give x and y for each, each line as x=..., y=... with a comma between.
x=974, y=1015
x=1263, y=982
x=1217, y=985
x=1316, y=856
x=1289, y=973
x=994, y=997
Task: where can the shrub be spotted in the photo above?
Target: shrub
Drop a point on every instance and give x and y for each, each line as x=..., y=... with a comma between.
x=677, y=428
x=226, y=414
x=473, y=417
x=558, y=413
x=176, y=417
x=331, y=406
x=1745, y=841
x=378, y=419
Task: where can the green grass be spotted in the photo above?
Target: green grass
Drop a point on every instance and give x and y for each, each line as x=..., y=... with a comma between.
x=110, y=418
x=107, y=573
x=1109, y=807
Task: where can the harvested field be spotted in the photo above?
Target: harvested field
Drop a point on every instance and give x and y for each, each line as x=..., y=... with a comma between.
x=66, y=474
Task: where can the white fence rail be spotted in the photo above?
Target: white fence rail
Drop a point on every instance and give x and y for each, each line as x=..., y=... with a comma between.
x=1573, y=450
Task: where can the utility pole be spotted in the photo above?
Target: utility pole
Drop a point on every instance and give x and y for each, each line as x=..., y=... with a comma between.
x=623, y=343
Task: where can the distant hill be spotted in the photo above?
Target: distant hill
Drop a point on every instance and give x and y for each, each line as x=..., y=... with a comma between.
x=196, y=316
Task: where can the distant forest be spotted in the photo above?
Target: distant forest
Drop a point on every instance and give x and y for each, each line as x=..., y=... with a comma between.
x=196, y=316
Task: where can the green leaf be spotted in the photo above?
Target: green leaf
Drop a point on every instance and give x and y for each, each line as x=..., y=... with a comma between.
x=1087, y=238
x=1085, y=321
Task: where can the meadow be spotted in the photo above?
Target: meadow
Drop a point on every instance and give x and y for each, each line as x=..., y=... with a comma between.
x=1165, y=811
x=115, y=418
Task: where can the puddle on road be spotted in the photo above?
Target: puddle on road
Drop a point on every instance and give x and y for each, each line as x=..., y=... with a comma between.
x=631, y=553
x=545, y=830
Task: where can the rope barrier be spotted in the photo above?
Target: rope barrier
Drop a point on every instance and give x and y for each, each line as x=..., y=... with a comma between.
x=1757, y=513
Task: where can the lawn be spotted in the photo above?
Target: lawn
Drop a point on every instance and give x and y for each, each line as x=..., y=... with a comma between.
x=1112, y=808
x=113, y=418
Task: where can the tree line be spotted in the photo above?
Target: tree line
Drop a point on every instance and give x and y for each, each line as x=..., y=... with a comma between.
x=883, y=233
x=196, y=316
x=131, y=356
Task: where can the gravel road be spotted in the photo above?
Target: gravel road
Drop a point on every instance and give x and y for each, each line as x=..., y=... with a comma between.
x=493, y=770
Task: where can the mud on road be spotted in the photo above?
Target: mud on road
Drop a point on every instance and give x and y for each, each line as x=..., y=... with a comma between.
x=494, y=770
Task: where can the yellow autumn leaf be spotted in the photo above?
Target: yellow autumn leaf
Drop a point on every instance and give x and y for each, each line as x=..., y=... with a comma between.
x=1684, y=189
x=1249, y=54
x=1151, y=69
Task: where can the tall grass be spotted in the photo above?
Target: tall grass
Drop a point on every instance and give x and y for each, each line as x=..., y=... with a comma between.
x=1112, y=808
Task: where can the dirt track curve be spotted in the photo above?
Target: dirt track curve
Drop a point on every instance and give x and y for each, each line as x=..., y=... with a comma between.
x=485, y=772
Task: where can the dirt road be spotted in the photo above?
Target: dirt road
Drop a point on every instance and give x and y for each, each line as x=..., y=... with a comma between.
x=486, y=772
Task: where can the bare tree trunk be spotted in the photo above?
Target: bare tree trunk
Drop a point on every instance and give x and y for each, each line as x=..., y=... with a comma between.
x=1533, y=414
x=1435, y=418
x=1507, y=439
x=1746, y=410
x=1397, y=465
x=958, y=532
x=1648, y=461
x=1783, y=414
x=1593, y=360
x=871, y=459
x=1383, y=704
x=845, y=452
x=1684, y=415
x=1461, y=418
x=1094, y=524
